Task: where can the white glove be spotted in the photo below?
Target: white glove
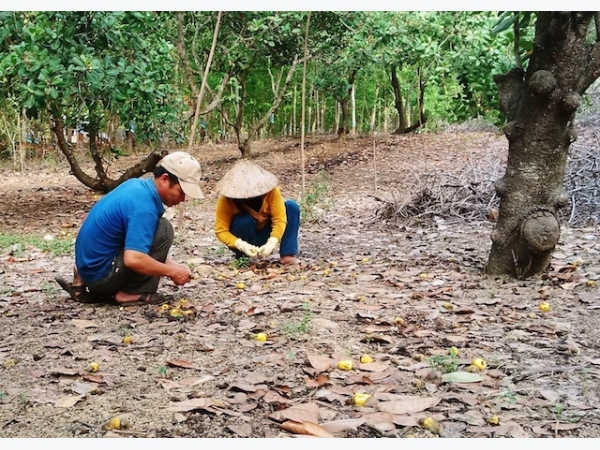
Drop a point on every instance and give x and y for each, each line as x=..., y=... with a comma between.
x=245, y=247
x=268, y=248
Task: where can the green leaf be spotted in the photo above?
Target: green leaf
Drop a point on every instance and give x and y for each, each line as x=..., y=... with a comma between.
x=461, y=377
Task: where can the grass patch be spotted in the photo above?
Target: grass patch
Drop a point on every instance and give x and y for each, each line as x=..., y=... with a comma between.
x=302, y=327
x=19, y=243
x=243, y=262
x=444, y=363
x=315, y=202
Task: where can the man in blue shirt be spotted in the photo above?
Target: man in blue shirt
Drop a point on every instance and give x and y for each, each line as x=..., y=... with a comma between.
x=121, y=250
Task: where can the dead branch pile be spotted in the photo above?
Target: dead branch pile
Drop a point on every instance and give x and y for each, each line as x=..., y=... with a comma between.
x=469, y=195
x=582, y=181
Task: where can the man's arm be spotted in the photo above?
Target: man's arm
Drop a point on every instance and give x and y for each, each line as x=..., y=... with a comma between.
x=146, y=265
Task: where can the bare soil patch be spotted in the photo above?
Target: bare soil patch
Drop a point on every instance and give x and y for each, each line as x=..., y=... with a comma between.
x=369, y=281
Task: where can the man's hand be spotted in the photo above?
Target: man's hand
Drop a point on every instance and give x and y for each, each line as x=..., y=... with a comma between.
x=246, y=248
x=268, y=248
x=180, y=274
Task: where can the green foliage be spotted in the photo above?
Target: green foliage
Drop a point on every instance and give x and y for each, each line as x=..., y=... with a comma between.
x=19, y=243
x=302, y=327
x=243, y=262
x=87, y=65
x=316, y=196
x=444, y=363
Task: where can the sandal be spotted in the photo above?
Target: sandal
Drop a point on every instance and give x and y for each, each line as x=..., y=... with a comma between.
x=77, y=293
x=148, y=299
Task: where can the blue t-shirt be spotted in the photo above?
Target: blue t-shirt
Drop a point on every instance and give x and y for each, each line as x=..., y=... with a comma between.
x=126, y=218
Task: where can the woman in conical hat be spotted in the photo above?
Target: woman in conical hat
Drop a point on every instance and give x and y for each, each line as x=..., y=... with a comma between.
x=251, y=215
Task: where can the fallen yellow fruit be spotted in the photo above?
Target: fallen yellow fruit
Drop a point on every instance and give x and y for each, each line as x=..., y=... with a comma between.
x=260, y=337
x=366, y=359
x=116, y=423
x=127, y=340
x=327, y=272
x=591, y=283
x=429, y=423
x=494, y=420
x=544, y=306
x=448, y=305
x=364, y=260
x=164, y=307
x=479, y=363
x=345, y=364
x=398, y=320
x=453, y=351
x=94, y=367
x=360, y=399
x=423, y=276
x=240, y=285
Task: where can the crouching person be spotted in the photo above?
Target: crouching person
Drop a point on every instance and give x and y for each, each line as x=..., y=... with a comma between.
x=252, y=217
x=121, y=250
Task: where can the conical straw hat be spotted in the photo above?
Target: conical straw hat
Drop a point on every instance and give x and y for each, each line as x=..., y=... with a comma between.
x=246, y=180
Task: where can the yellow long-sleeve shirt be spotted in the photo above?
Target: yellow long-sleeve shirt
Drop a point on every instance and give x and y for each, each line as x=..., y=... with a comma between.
x=273, y=207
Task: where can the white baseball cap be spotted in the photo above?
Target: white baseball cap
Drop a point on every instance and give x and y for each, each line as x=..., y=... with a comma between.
x=187, y=169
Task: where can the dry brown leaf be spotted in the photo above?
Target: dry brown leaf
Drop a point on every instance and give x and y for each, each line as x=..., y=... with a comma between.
x=309, y=428
x=181, y=363
x=68, y=401
x=306, y=412
x=82, y=323
x=94, y=378
x=64, y=371
x=192, y=404
x=342, y=425
x=409, y=405
x=244, y=430
x=374, y=367
x=320, y=362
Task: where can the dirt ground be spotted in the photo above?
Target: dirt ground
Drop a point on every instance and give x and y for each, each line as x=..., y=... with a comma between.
x=405, y=292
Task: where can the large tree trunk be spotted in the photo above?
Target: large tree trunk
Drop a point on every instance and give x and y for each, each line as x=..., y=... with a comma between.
x=540, y=107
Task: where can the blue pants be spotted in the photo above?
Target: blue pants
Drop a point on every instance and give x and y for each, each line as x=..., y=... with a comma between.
x=243, y=226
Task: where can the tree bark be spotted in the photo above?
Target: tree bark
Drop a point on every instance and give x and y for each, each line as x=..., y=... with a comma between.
x=101, y=182
x=540, y=106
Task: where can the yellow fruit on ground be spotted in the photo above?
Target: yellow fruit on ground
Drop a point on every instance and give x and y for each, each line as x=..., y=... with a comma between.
x=494, y=420
x=398, y=320
x=113, y=424
x=423, y=276
x=260, y=337
x=429, y=423
x=360, y=399
x=479, y=363
x=240, y=285
x=590, y=283
x=345, y=364
x=366, y=359
x=364, y=260
x=453, y=351
x=327, y=272
x=127, y=340
x=164, y=306
x=94, y=367
x=448, y=305
x=544, y=306
x=291, y=277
